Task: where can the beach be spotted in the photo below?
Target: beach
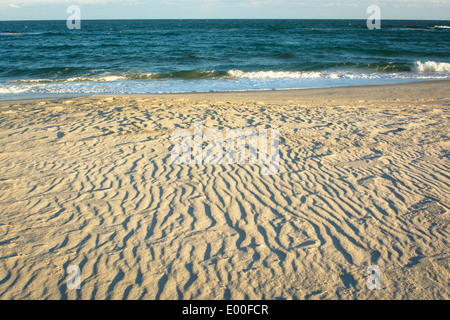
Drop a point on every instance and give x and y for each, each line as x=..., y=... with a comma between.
x=363, y=180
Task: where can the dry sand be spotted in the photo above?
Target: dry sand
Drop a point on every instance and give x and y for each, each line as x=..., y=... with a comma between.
x=364, y=179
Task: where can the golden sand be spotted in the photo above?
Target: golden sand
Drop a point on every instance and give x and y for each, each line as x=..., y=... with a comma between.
x=363, y=179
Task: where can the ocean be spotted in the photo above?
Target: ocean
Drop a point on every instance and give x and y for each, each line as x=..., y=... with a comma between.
x=45, y=58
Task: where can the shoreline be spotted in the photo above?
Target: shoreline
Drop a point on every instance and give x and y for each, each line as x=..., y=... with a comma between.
x=331, y=92
x=266, y=93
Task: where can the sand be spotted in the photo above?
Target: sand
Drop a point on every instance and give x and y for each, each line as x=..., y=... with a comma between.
x=363, y=179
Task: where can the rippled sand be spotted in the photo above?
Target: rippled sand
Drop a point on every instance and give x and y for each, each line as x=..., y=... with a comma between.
x=364, y=179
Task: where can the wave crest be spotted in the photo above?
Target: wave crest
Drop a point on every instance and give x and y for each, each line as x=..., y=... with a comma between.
x=272, y=74
x=432, y=67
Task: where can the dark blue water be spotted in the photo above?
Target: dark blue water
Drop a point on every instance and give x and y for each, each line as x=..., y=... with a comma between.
x=149, y=56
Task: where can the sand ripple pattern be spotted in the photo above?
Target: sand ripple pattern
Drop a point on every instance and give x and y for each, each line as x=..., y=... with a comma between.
x=90, y=182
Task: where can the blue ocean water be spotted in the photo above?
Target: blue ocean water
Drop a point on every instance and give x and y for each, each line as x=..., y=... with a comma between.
x=39, y=58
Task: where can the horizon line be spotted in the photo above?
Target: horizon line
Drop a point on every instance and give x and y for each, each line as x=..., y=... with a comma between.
x=143, y=19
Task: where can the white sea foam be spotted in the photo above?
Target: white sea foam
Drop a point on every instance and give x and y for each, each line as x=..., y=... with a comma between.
x=104, y=78
x=14, y=89
x=301, y=75
x=273, y=74
x=234, y=80
x=86, y=79
x=432, y=67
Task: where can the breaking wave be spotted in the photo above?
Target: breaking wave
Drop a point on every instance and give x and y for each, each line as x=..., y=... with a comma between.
x=432, y=67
